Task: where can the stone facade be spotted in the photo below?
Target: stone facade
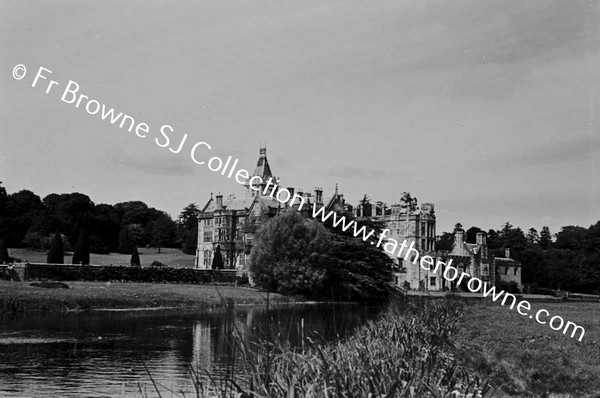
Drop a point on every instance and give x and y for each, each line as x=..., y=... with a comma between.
x=231, y=223
x=472, y=258
x=416, y=227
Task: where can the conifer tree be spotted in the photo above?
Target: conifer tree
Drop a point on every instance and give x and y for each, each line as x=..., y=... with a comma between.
x=56, y=254
x=545, y=238
x=81, y=254
x=135, y=258
x=217, y=262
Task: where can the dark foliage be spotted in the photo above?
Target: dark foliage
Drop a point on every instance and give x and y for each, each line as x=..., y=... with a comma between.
x=81, y=255
x=135, y=258
x=300, y=256
x=129, y=274
x=4, y=257
x=217, y=262
x=56, y=254
x=187, y=228
x=28, y=221
x=164, y=232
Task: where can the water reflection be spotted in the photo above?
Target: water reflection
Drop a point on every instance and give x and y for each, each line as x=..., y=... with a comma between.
x=104, y=354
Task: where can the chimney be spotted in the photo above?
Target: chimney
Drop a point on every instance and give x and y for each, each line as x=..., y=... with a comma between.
x=481, y=238
x=291, y=190
x=507, y=252
x=459, y=237
x=219, y=200
x=319, y=195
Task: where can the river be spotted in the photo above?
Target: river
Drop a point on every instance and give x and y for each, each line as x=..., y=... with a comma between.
x=105, y=354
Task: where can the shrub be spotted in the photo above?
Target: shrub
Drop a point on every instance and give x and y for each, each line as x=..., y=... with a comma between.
x=56, y=254
x=509, y=287
x=157, y=264
x=135, y=258
x=242, y=280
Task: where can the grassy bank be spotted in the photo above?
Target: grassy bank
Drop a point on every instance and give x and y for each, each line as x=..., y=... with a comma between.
x=428, y=348
x=408, y=351
x=525, y=358
x=169, y=257
x=20, y=297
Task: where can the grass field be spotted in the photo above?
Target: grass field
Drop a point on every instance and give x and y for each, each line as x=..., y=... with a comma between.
x=169, y=257
x=525, y=358
x=20, y=297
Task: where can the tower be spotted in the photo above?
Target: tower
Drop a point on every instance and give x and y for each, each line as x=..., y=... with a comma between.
x=262, y=176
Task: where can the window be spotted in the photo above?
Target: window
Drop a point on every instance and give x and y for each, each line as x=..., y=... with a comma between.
x=208, y=236
x=505, y=270
x=485, y=270
x=516, y=271
x=207, y=258
x=432, y=281
x=423, y=229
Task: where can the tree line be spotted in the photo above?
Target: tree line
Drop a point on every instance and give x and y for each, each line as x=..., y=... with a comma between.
x=28, y=221
x=568, y=259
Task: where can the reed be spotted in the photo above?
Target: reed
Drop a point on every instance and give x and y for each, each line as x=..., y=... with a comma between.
x=409, y=351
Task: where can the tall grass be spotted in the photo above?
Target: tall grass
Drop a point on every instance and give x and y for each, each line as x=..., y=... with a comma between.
x=408, y=351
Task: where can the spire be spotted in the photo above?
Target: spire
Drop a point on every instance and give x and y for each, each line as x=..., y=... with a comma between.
x=336, y=188
x=262, y=170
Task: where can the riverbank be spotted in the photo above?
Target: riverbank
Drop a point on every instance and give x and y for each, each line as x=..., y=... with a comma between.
x=21, y=297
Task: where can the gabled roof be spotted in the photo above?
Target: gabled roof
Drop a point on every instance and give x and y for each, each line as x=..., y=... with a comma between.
x=228, y=204
x=267, y=203
x=238, y=204
x=207, y=206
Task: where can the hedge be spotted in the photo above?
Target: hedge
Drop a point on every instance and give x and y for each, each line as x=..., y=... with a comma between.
x=127, y=274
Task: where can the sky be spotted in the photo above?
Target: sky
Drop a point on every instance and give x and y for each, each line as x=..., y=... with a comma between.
x=486, y=109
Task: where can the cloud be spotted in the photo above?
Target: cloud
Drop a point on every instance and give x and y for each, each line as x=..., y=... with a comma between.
x=576, y=149
x=152, y=165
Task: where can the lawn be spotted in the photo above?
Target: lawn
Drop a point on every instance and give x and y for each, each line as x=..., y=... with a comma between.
x=21, y=297
x=525, y=358
x=169, y=257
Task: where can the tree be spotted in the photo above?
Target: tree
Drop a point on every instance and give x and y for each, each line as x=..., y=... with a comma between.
x=471, y=234
x=357, y=269
x=135, y=258
x=408, y=203
x=4, y=257
x=69, y=213
x=217, y=262
x=130, y=237
x=592, y=239
x=105, y=230
x=56, y=254
x=545, y=238
x=288, y=255
x=188, y=228
x=164, y=231
x=513, y=238
x=33, y=240
x=532, y=237
x=571, y=238
x=81, y=255
x=445, y=241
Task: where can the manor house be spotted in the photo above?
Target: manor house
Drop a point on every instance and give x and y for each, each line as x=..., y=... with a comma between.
x=230, y=224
